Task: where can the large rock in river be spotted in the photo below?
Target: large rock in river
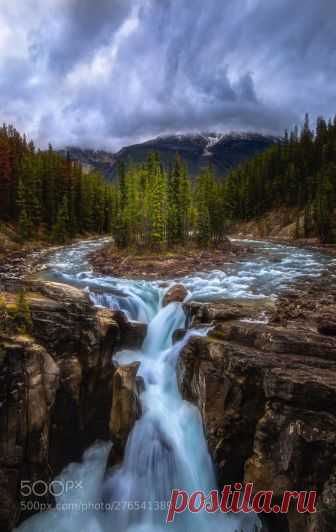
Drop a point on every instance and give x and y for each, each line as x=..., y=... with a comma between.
x=177, y=292
x=125, y=408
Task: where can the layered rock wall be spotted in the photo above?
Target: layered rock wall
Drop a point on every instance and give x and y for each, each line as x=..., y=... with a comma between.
x=267, y=395
x=56, y=391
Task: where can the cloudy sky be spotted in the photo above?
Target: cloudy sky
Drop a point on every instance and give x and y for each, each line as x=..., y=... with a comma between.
x=106, y=73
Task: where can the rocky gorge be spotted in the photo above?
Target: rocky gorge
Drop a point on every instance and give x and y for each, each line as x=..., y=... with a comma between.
x=57, y=388
x=263, y=379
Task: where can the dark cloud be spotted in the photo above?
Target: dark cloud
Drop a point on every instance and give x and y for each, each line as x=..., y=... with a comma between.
x=85, y=26
x=110, y=72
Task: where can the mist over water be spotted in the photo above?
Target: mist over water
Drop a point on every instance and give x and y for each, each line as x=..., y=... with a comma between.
x=166, y=448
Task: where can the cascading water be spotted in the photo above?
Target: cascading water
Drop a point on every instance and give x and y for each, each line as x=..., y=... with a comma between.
x=166, y=448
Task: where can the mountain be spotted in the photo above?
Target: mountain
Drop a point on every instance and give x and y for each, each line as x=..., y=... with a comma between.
x=100, y=160
x=223, y=150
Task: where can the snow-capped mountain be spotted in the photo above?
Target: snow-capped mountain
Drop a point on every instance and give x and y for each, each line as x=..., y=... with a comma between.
x=223, y=150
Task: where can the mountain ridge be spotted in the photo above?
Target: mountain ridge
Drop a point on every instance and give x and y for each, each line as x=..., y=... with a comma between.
x=223, y=150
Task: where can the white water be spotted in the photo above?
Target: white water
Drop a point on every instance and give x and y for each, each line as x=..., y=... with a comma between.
x=166, y=448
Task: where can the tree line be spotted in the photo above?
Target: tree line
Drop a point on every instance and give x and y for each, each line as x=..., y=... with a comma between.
x=154, y=207
x=299, y=172
x=47, y=195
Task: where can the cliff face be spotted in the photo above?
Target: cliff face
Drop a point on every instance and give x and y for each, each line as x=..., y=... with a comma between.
x=56, y=390
x=267, y=394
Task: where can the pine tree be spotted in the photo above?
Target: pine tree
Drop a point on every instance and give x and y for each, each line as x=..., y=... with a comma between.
x=5, y=175
x=184, y=205
x=324, y=210
x=158, y=208
x=298, y=232
x=308, y=221
x=173, y=220
x=204, y=199
x=122, y=183
x=61, y=228
x=25, y=225
x=203, y=225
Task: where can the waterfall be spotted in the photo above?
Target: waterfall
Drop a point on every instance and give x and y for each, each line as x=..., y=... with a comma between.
x=165, y=450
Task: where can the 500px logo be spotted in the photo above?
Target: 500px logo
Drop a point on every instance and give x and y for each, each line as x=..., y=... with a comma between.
x=40, y=488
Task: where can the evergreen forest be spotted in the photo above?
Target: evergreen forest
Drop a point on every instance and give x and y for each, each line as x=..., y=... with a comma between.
x=152, y=207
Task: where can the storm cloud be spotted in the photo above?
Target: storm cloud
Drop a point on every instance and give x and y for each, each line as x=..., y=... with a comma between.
x=107, y=73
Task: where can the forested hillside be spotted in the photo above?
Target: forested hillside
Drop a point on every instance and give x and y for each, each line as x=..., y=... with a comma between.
x=151, y=207
x=48, y=196
x=299, y=173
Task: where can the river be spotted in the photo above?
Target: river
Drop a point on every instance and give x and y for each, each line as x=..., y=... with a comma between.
x=167, y=448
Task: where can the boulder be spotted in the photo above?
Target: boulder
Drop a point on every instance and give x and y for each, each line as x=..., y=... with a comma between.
x=132, y=333
x=177, y=292
x=178, y=335
x=129, y=333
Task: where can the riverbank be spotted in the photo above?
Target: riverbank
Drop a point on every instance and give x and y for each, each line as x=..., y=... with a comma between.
x=281, y=227
x=108, y=260
x=306, y=243
x=313, y=244
x=19, y=260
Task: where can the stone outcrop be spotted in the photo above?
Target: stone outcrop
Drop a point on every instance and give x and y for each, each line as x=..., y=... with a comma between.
x=132, y=333
x=265, y=383
x=125, y=408
x=177, y=292
x=56, y=387
x=29, y=380
x=229, y=309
